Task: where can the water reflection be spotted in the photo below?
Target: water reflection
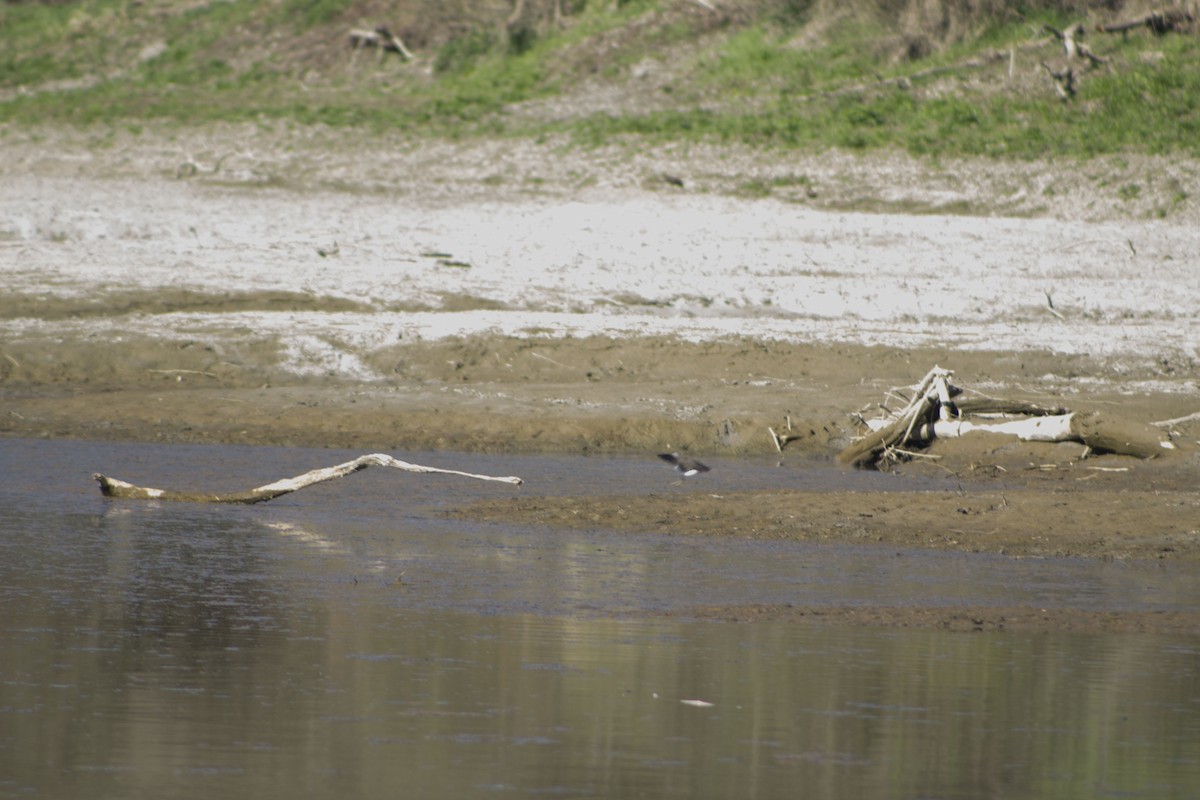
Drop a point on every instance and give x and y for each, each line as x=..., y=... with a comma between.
x=192, y=651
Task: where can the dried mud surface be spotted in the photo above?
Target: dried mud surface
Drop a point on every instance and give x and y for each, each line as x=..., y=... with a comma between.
x=645, y=394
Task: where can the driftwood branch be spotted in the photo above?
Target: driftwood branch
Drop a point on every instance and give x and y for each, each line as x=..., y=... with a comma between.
x=1167, y=423
x=111, y=487
x=919, y=410
x=1072, y=47
x=1066, y=81
x=382, y=38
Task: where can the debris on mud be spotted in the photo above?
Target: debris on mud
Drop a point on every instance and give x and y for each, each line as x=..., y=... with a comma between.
x=934, y=408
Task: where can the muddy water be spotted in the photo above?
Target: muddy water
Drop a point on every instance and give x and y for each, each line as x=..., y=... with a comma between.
x=346, y=640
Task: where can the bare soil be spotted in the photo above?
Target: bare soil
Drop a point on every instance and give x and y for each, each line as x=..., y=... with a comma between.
x=646, y=394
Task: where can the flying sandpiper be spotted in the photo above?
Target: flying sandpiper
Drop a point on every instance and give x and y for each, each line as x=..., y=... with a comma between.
x=686, y=467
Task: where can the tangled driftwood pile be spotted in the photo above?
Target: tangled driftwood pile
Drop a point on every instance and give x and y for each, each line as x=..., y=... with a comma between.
x=1077, y=54
x=936, y=409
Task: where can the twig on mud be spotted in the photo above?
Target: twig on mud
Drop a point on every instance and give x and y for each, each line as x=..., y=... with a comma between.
x=1077, y=243
x=1166, y=423
x=184, y=372
x=551, y=360
x=911, y=454
x=1050, y=304
x=781, y=440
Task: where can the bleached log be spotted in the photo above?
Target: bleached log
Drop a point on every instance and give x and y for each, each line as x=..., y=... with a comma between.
x=1036, y=429
x=112, y=487
x=1103, y=433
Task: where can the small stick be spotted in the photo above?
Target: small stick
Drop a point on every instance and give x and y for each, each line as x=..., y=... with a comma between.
x=551, y=360
x=1166, y=423
x=183, y=372
x=1050, y=305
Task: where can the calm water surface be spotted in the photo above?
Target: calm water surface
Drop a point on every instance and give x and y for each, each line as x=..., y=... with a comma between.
x=176, y=650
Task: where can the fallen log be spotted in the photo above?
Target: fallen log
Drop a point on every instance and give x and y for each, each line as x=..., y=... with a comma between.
x=112, y=487
x=1159, y=22
x=1038, y=429
x=1103, y=433
x=1106, y=433
x=997, y=405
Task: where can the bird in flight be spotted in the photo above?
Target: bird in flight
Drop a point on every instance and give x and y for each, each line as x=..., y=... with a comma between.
x=686, y=467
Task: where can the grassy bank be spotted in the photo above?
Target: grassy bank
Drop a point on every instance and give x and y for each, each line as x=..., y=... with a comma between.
x=779, y=73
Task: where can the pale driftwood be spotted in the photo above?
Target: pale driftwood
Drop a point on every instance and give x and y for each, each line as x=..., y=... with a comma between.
x=1103, y=433
x=1167, y=423
x=382, y=38
x=1072, y=47
x=1037, y=429
x=868, y=449
x=927, y=398
x=932, y=413
x=1064, y=81
x=111, y=487
x=1067, y=37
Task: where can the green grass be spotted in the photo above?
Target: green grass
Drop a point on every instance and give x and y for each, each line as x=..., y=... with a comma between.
x=749, y=84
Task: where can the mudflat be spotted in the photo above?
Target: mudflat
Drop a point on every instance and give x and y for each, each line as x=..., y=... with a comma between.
x=303, y=318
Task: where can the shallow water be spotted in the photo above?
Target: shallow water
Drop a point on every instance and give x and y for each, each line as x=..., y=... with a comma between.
x=187, y=650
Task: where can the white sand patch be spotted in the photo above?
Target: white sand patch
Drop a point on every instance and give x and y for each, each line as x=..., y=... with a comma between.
x=604, y=262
